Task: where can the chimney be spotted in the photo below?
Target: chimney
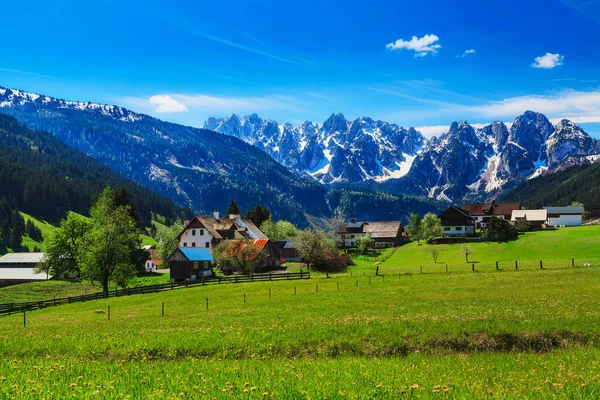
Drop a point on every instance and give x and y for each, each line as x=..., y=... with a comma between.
x=234, y=216
x=216, y=214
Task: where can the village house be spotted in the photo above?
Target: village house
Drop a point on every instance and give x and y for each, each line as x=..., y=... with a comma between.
x=534, y=219
x=20, y=268
x=455, y=222
x=564, y=216
x=190, y=264
x=384, y=233
x=251, y=256
x=207, y=232
x=482, y=212
x=153, y=261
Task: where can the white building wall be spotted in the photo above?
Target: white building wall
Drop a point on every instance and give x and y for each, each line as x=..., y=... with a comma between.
x=566, y=220
x=199, y=238
x=456, y=230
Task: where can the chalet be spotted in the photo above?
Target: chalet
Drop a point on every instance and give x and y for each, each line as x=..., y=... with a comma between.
x=252, y=255
x=288, y=250
x=564, y=216
x=481, y=212
x=190, y=264
x=20, y=268
x=534, y=219
x=384, y=233
x=207, y=232
x=153, y=261
x=456, y=221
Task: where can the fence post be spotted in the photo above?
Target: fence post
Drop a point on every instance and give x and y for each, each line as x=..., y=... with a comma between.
x=357, y=283
x=244, y=297
x=383, y=278
x=572, y=262
x=163, y=309
x=82, y=298
x=446, y=267
x=496, y=265
x=300, y=274
x=207, y=304
x=421, y=268
x=473, y=267
x=327, y=274
x=155, y=288
x=269, y=292
x=24, y=317
x=369, y=280
x=377, y=270
x=541, y=265
x=338, y=286
x=516, y=265
x=294, y=290
x=186, y=283
x=109, y=312
x=317, y=288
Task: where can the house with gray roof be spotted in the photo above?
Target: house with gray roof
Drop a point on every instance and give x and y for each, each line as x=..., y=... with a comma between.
x=21, y=268
x=384, y=233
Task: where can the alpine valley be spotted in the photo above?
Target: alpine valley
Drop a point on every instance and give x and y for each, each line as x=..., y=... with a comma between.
x=199, y=168
x=466, y=163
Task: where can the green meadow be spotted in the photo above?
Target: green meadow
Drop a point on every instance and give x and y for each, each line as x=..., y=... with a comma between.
x=527, y=333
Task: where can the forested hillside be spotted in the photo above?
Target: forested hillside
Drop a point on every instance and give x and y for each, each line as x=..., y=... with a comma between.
x=42, y=176
x=580, y=183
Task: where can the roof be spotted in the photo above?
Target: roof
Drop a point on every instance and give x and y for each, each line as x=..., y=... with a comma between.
x=196, y=254
x=479, y=209
x=379, y=228
x=530, y=215
x=564, y=210
x=218, y=228
x=21, y=258
x=354, y=224
x=461, y=211
x=22, y=274
x=236, y=246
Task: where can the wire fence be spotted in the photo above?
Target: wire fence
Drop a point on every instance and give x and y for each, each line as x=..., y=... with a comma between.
x=11, y=308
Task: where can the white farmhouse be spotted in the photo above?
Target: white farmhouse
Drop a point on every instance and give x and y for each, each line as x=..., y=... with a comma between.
x=564, y=216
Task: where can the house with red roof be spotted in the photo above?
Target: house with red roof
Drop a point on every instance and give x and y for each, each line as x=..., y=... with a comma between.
x=249, y=256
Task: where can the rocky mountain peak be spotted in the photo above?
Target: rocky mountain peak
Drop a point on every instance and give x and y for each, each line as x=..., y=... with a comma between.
x=336, y=123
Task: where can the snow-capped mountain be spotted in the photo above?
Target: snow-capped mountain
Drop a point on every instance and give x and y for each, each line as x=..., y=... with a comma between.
x=338, y=151
x=464, y=163
x=479, y=164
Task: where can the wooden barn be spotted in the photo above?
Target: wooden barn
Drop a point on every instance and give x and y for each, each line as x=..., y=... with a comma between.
x=190, y=264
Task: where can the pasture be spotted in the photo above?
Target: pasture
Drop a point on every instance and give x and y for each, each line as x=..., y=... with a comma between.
x=506, y=333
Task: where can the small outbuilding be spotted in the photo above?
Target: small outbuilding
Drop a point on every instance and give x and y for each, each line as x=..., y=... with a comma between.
x=288, y=250
x=534, y=219
x=190, y=264
x=20, y=268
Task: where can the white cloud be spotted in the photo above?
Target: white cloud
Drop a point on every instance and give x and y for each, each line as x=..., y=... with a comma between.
x=467, y=53
x=575, y=104
x=174, y=102
x=421, y=46
x=548, y=61
x=165, y=103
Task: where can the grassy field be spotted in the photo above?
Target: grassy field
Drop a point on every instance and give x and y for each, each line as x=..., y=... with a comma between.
x=551, y=245
x=527, y=333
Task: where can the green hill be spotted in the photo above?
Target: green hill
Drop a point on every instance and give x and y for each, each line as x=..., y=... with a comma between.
x=581, y=183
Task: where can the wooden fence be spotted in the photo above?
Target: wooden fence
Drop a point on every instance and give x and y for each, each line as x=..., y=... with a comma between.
x=11, y=308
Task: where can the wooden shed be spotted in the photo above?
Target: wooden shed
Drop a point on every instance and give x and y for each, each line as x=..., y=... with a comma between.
x=190, y=264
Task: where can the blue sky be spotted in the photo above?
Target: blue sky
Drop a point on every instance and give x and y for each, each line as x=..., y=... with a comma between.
x=416, y=63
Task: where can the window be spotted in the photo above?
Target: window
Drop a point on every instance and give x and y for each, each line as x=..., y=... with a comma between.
x=458, y=228
x=207, y=245
x=193, y=232
x=184, y=244
x=195, y=264
x=201, y=232
x=351, y=236
x=446, y=228
x=193, y=244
